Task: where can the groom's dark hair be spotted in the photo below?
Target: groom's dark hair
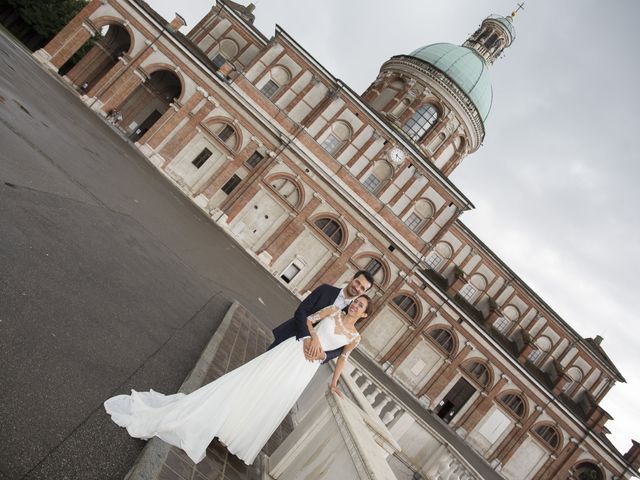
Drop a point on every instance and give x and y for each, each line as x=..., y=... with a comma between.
x=368, y=277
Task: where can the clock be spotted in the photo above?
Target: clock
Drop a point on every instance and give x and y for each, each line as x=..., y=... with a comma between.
x=396, y=155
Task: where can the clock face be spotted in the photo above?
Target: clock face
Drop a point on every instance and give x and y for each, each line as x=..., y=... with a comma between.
x=396, y=155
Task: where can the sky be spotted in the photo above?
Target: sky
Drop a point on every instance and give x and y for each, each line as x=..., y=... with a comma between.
x=554, y=183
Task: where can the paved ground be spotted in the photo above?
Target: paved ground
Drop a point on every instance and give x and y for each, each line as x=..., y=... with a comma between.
x=109, y=279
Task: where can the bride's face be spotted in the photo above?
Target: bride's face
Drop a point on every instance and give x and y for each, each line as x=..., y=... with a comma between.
x=358, y=307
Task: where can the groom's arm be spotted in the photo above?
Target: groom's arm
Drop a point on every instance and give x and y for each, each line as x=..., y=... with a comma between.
x=308, y=306
x=331, y=354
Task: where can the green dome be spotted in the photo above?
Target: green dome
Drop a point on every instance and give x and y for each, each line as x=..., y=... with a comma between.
x=465, y=68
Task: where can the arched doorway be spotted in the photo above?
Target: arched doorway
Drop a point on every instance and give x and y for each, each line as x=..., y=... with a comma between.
x=113, y=41
x=148, y=102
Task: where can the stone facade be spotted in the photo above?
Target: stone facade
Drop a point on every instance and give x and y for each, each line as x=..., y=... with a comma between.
x=317, y=182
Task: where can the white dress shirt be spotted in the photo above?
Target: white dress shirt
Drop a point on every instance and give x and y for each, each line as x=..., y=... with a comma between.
x=341, y=301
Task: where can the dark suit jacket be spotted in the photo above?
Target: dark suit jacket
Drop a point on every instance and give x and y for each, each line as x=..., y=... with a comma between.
x=321, y=297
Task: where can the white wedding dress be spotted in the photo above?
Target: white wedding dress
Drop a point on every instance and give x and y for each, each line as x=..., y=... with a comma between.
x=242, y=408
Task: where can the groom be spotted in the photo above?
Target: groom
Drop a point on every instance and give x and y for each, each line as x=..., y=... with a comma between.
x=321, y=297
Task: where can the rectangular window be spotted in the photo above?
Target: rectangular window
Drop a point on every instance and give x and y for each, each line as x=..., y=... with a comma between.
x=468, y=291
x=371, y=183
x=291, y=271
x=254, y=159
x=534, y=356
x=331, y=143
x=501, y=324
x=219, y=61
x=269, y=88
x=225, y=133
x=413, y=221
x=202, y=157
x=231, y=184
x=434, y=260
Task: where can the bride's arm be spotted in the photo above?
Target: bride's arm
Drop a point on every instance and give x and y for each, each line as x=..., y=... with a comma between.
x=342, y=360
x=320, y=314
x=315, y=349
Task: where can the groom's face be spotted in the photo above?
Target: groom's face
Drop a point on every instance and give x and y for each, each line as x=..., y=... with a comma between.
x=357, y=286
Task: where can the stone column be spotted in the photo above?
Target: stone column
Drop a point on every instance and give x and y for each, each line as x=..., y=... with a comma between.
x=108, y=78
x=124, y=86
x=88, y=64
x=566, y=459
x=411, y=109
x=397, y=98
x=171, y=119
x=68, y=40
x=185, y=134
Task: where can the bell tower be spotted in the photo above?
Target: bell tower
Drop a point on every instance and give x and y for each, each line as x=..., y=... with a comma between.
x=494, y=35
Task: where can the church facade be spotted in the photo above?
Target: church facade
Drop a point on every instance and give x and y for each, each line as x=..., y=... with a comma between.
x=318, y=181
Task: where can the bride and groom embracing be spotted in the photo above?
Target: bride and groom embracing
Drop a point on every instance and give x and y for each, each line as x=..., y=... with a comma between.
x=245, y=406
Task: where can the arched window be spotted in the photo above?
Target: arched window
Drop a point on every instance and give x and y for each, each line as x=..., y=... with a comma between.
x=549, y=435
x=286, y=189
x=502, y=324
x=468, y=291
x=543, y=346
x=476, y=283
x=479, y=372
x=338, y=135
x=438, y=255
x=534, y=356
x=373, y=267
x=269, y=88
x=422, y=211
x=514, y=403
x=378, y=176
x=278, y=76
x=489, y=42
x=226, y=134
x=443, y=339
x=408, y=305
x=510, y=315
x=331, y=229
x=588, y=471
x=420, y=122
x=575, y=377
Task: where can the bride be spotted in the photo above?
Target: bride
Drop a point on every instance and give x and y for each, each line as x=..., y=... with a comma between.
x=245, y=406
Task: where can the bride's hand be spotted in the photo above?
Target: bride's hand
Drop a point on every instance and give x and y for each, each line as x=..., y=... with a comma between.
x=309, y=353
x=336, y=390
